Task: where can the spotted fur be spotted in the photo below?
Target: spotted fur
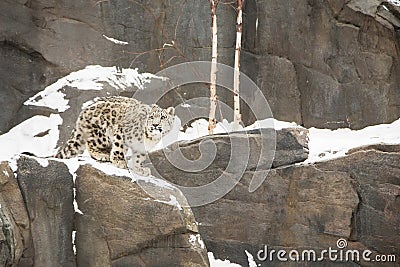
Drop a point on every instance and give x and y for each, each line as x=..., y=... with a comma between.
x=111, y=125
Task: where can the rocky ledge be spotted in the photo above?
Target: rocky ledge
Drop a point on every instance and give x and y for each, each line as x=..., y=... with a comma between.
x=298, y=206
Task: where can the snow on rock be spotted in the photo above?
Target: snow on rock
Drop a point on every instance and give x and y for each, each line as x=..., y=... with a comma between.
x=172, y=202
x=196, y=241
x=89, y=78
x=220, y=263
x=326, y=144
x=250, y=259
x=43, y=162
x=37, y=135
x=115, y=40
x=394, y=2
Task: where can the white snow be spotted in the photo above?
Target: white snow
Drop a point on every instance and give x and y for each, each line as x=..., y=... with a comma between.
x=75, y=203
x=196, y=241
x=73, y=241
x=220, y=263
x=89, y=78
x=325, y=144
x=6, y=173
x=106, y=167
x=185, y=105
x=250, y=259
x=115, y=40
x=89, y=102
x=172, y=202
x=38, y=135
x=12, y=162
x=226, y=263
x=394, y=2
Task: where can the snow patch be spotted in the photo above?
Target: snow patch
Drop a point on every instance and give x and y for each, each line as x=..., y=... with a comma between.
x=115, y=40
x=153, y=180
x=37, y=135
x=394, y=2
x=196, y=241
x=172, y=201
x=12, y=162
x=75, y=203
x=73, y=165
x=106, y=167
x=220, y=263
x=89, y=78
x=250, y=259
x=89, y=102
x=73, y=241
x=326, y=144
x=185, y=105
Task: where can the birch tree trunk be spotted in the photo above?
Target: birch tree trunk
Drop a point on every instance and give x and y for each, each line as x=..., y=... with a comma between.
x=237, y=116
x=213, y=75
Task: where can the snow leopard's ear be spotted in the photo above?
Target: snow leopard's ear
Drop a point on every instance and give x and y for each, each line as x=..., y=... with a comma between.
x=171, y=111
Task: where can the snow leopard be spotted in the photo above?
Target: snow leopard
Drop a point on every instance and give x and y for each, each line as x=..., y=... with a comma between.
x=111, y=125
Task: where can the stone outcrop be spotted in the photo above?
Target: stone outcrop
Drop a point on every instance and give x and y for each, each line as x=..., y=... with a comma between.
x=120, y=225
x=330, y=63
x=301, y=206
x=148, y=223
x=244, y=147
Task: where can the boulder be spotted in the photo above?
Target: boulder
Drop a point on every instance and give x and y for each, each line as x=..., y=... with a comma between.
x=291, y=146
x=46, y=187
x=295, y=207
x=122, y=225
x=118, y=222
x=232, y=153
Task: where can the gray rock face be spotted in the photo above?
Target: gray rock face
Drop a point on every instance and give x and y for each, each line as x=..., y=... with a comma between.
x=122, y=226
x=291, y=146
x=375, y=172
x=14, y=222
x=345, y=57
x=330, y=63
x=236, y=152
x=47, y=193
x=299, y=206
x=23, y=72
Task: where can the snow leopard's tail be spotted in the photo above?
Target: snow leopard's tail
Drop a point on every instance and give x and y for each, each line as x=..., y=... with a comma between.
x=73, y=147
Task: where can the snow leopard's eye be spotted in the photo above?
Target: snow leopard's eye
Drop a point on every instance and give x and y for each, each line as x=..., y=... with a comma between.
x=151, y=117
x=163, y=117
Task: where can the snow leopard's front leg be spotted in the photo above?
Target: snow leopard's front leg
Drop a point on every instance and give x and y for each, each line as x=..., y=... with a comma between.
x=118, y=150
x=138, y=159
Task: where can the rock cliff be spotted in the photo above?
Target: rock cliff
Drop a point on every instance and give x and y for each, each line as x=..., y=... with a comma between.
x=330, y=63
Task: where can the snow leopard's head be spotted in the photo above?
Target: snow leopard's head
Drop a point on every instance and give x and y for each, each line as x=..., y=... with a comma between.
x=159, y=121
